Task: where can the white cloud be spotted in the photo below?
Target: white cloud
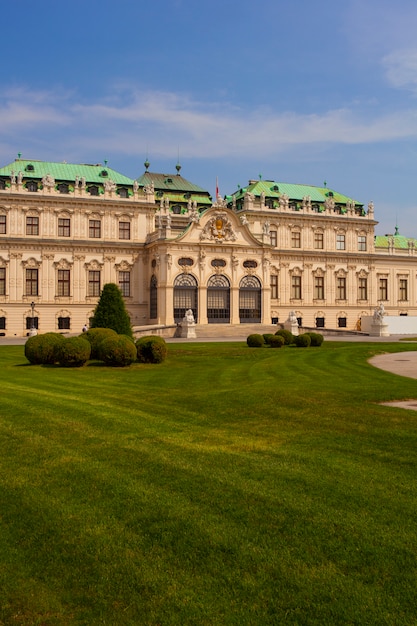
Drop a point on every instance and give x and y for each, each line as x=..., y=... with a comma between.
x=401, y=68
x=165, y=121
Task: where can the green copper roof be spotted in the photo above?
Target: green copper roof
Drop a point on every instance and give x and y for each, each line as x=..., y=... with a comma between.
x=273, y=189
x=65, y=171
x=400, y=242
x=171, y=183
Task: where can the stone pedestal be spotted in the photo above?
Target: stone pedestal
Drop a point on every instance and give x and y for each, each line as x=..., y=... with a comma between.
x=379, y=329
x=188, y=330
x=291, y=324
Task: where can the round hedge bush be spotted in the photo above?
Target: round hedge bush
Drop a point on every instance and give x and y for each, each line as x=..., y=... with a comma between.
x=276, y=341
x=119, y=351
x=255, y=341
x=267, y=337
x=316, y=339
x=73, y=352
x=151, y=349
x=303, y=341
x=95, y=336
x=287, y=335
x=42, y=349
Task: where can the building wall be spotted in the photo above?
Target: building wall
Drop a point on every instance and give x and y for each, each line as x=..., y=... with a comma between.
x=281, y=248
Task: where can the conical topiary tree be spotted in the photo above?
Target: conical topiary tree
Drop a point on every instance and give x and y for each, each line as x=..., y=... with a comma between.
x=110, y=311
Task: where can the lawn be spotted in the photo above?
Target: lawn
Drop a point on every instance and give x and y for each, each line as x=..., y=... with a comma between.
x=227, y=485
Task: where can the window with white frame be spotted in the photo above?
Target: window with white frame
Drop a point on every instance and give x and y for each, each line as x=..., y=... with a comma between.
x=362, y=243
x=340, y=242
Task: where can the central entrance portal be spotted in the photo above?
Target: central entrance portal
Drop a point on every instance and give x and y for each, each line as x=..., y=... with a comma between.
x=218, y=300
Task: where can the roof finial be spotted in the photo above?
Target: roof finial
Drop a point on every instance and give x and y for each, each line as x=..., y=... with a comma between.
x=146, y=164
x=105, y=162
x=178, y=168
x=19, y=154
x=325, y=183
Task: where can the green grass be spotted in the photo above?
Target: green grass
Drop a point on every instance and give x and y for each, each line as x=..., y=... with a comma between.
x=227, y=485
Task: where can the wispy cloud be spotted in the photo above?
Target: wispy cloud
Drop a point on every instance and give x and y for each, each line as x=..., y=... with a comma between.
x=401, y=68
x=203, y=129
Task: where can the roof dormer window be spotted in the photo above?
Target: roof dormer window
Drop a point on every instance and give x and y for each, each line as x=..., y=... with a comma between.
x=29, y=168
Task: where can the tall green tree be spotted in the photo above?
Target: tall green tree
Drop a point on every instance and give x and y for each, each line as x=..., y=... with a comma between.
x=110, y=311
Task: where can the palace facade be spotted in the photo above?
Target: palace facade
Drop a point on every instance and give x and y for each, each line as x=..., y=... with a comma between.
x=252, y=257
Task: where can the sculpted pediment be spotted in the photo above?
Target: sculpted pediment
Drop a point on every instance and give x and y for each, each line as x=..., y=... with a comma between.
x=220, y=225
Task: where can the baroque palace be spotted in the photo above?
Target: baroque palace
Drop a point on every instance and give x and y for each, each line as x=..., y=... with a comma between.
x=269, y=249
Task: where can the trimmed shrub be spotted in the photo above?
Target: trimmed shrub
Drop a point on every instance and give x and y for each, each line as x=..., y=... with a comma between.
x=119, y=351
x=151, y=349
x=73, y=352
x=110, y=311
x=255, y=341
x=303, y=341
x=42, y=349
x=267, y=337
x=95, y=336
x=276, y=341
x=316, y=339
x=287, y=335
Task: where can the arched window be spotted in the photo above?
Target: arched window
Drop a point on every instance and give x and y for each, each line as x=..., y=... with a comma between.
x=250, y=300
x=218, y=300
x=185, y=296
x=153, y=298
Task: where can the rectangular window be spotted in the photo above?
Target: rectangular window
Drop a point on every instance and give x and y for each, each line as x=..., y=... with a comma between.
x=124, y=230
x=319, y=287
x=341, y=322
x=341, y=288
x=64, y=279
x=383, y=289
x=32, y=322
x=2, y=281
x=32, y=282
x=340, y=242
x=124, y=283
x=296, y=287
x=295, y=239
x=362, y=243
x=274, y=238
x=320, y=322
x=64, y=227
x=274, y=286
x=2, y=224
x=94, y=229
x=318, y=241
x=64, y=323
x=94, y=283
x=403, y=291
x=2, y=323
x=363, y=289
x=32, y=225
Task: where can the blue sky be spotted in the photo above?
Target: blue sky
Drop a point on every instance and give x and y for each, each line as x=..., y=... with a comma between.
x=301, y=92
